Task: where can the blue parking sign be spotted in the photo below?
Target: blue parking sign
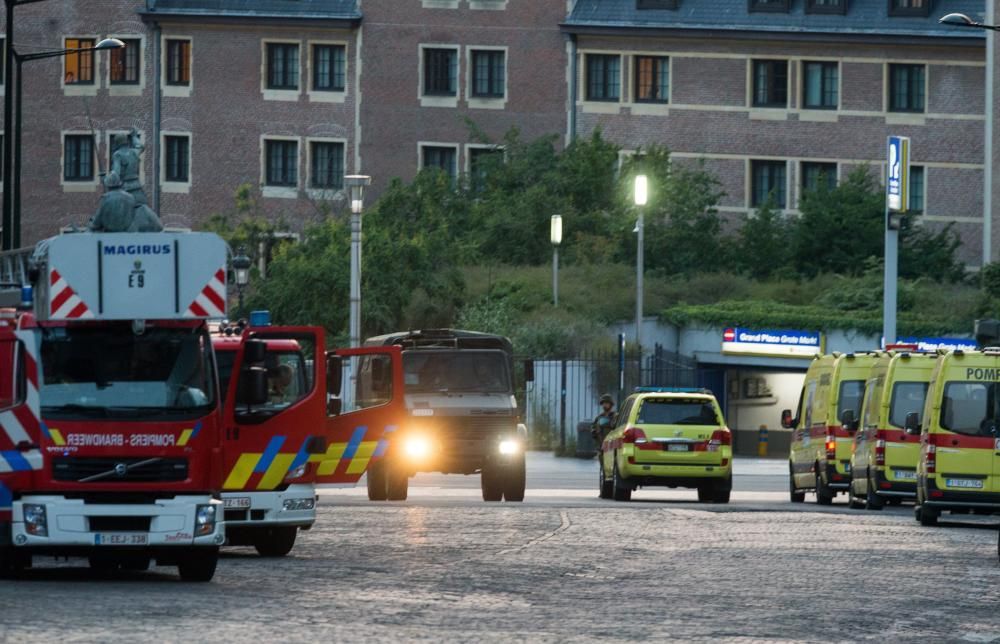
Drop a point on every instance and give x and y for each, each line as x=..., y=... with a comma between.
x=897, y=184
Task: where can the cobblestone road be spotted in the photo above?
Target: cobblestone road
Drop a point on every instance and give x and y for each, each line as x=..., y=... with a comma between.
x=550, y=571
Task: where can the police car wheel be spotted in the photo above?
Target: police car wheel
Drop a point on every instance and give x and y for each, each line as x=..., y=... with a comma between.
x=377, y=490
x=604, y=486
x=620, y=491
x=199, y=566
x=872, y=499
x=277, y=542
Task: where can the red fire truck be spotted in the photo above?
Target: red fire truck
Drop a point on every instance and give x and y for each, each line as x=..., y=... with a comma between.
x=110, y=428
x=275, y=452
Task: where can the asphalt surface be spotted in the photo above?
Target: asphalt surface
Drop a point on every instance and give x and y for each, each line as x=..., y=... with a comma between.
x=563, y=566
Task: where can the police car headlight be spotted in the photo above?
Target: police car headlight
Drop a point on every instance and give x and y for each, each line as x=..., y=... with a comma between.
x=204, y=520
x=508, y=448
x=417, y=447
x=297, y=473
x=298, y=504
x=35, y=520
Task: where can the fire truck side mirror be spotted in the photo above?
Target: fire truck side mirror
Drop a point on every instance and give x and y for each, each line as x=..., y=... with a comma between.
x=253, y=387
x=334, y=375
x=254, y=351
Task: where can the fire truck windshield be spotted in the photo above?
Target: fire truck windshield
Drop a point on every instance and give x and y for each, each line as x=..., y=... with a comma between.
x=110, y=371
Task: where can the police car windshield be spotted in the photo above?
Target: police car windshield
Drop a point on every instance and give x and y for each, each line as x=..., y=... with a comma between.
x=677, y=412
x=970, y=407
x=110, y=368
x=907, y=397
x=456, y=371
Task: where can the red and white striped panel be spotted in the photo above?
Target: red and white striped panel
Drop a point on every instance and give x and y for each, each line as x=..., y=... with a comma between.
x=22, y=424
x=64, y=303
x=211, y=302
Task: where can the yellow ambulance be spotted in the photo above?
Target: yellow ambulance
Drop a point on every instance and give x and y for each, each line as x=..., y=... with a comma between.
x=824, y=425
x=959, y=467
x=884, y=460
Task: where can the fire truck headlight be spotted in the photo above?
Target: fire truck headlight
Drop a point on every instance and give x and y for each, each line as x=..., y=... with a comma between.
x=509, y=448
x=298, y=504
x=35, y=520
x=204, y=520
x=417, y=447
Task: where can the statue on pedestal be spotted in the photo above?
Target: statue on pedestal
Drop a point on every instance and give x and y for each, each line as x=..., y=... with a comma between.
x=125, y=162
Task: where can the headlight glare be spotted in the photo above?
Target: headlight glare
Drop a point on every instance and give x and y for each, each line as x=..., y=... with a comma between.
x=35, y=520
x=417, y=447
x=509, y=447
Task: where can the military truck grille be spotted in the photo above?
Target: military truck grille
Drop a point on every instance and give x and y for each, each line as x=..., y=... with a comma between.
x=76, y=468
x=471, y=427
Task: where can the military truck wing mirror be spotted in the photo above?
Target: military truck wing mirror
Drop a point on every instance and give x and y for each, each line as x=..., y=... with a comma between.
x=253, y=387
x=912, y=423
x=254, y=351
x=334, y=375
x=849, y=422
x=786, y=419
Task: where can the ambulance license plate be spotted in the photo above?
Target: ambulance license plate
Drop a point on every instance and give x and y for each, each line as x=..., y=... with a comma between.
x=905, y=475
x=121, y=539
x=677, y=447
x=236, y=503
x=974, y=484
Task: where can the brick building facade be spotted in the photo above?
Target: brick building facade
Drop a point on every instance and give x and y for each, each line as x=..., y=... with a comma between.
x=289, y=96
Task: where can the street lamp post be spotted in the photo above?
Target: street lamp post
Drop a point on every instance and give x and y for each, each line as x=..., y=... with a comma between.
x=962, y=20
x=555, y=236
x=356, y=184
x=19, y=59
x=640, y=196
x=241, y=273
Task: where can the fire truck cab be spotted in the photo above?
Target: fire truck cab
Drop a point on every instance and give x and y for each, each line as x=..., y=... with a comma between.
x=109, y=428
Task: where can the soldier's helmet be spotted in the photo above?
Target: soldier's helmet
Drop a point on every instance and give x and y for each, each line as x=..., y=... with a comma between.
x=112, y=181
x=606, y=398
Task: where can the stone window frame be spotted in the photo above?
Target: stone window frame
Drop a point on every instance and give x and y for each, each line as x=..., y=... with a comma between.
x=751, y=84
x=128, y=88
x=749, y=166
x=324, y=95
x=432, y=100
x=175, y=90
x=802, y=62
x=268, y=93
x=84, y=185
x=421, y=145
x=82, y=89
x=486, y=102
x=280, y=192
x=322, y=194
x=176, y=187
x=800, y=164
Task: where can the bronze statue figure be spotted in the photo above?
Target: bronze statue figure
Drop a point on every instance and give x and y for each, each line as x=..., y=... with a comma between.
x=125, y=162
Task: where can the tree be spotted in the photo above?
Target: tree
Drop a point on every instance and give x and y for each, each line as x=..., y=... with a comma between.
x=762, y=242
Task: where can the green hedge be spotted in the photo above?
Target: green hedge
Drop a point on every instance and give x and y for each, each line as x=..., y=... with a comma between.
x=764, y=314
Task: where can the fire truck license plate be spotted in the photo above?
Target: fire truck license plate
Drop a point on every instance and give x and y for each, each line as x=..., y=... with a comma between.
x=236, y=503
x=121, y=539
x=975, y=484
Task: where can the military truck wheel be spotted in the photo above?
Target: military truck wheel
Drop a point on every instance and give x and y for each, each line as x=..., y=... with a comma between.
x=872, y=499
x=824, y=495
x=276, y=542
x=514, y=480
x=377, y=486
x=491, y=483
x=620, y=491
x=603, y=483
x=397, y=482
x=199, y=566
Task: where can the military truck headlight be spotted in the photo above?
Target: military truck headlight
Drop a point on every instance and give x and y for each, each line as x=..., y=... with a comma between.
x=509, y=447
x=35, y=520
x=204, y=520
x=417, y=447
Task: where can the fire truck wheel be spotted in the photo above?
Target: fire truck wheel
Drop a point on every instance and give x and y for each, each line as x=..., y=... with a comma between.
x=377, y=487
x=197, y=565
x=824, y=495
x=397, y=482
x=515, y=480
x=491, y=483
x=276, y=542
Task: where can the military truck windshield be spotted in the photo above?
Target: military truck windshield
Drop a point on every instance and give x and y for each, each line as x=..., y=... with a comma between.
x=907, y=397
x=677, y=412
x=970, y=408
x=456, y=371
x=110, y=371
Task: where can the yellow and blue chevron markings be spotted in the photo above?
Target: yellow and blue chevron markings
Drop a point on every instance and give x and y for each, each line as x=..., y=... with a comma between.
x=54, y=435
x=189, y=435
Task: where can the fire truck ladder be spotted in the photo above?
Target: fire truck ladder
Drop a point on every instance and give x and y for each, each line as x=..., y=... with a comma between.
x=13, y=275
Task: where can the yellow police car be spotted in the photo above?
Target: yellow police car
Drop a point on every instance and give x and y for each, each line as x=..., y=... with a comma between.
x=668, y=437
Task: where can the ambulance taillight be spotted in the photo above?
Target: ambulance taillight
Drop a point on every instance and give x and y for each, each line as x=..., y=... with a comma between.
x=931, y=459
x=880, y=447
x=831, y=447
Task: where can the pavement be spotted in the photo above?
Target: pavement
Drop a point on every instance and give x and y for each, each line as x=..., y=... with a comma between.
x=564, y=566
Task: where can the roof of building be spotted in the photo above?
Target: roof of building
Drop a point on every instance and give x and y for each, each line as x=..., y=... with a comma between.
x=863, y=18
x=285, y=9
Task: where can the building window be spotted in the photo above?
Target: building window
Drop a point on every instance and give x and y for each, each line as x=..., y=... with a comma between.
x=818, y=175
x=655, y=4
x=489, y=73
x=906, y=88
x=769, y=5
x=282, y=66
x=282, y=163
x=440, y=72
x=483, y=161
x=125, y=63
x=78, y=157
x=916, y=201
x=329, y=68
x=770, y=83
x=177, y=151
x=443, y=158
x=652, y=79
x=826, y=6
x=910, y=8
x=768, y=182
x=327, y=171
x=820, y=85
x=603, y=77
x=79, y=65
x=178, y=62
